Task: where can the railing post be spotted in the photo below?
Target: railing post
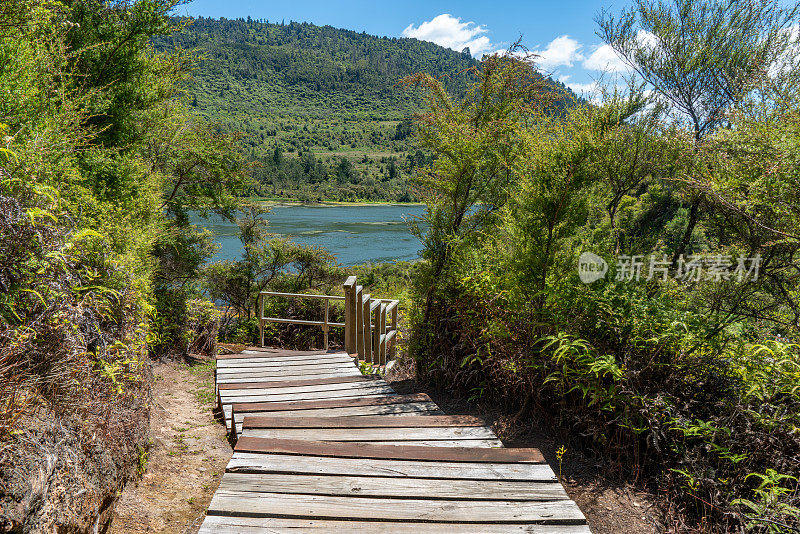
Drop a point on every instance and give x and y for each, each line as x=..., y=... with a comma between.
x=393, y=349
x=359, y=325
x=367, y=330
x=350, y=316
x=260, y=312
x=325, y=325
x=382, y=338
x=378, y=332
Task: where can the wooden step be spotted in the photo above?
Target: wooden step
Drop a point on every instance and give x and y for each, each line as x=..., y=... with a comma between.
x=215, y=524
x=397, y=452
x=331, y=403
x=367, y=421
x=245, y=462
x=322, y=448
x=386, y=410
x=275, y=353
x=300, y=382
x=253, y=504
x=390, y=487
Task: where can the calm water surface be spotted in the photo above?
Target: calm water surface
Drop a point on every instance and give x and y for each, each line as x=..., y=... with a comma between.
x=354, y=234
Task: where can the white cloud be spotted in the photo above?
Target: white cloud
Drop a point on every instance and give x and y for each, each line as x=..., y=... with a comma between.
x=590, y=91
x=562, y=51
x=448, y=31
x=605, y=59
x=584, y=89
x=789, y=60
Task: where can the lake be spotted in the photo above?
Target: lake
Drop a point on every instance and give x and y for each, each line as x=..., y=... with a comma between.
x=355, y=234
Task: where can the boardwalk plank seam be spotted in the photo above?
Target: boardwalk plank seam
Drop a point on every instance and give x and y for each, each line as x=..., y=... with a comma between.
x=321, y=447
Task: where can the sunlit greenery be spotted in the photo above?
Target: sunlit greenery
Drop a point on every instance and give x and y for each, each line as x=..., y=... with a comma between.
x=692, y=383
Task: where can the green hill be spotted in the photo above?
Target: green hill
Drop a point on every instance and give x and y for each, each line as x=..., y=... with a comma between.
x=321, y=108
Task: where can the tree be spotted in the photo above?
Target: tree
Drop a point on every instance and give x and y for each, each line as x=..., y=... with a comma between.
x=277, y=156
x=700, y=57
x=345, y=173
x=88, y=170
x=475, y=144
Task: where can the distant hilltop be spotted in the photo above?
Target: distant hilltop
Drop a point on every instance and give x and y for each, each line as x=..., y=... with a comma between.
x=304, y=86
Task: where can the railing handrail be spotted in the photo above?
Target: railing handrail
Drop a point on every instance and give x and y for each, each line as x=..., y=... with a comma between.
x=369, y=336
x=301, y=295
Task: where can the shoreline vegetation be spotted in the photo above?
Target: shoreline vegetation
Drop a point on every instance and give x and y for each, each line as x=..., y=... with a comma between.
x=275, y=201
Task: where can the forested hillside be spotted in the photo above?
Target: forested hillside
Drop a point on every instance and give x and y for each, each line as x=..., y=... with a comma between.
x=322, y=109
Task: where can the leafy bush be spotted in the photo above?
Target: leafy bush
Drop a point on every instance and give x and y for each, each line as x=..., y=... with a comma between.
x=692, y=385
x=99, y=165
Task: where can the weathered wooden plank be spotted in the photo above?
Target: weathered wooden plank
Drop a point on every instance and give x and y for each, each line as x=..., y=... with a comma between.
x=268, y=377
x=394, y=410
x=291, y=369
x=259, y=348
x=480, y=443
x=333, y=507
x=300, y=360
x=333, y=403
x=283, y=354
x=236, y=390
x=244, y=462
x=275, y=353
x=355, y=379
x=370, y=434
x=215, y=524
x=228, y=407
x=368, y=450
x=294, y=369
x=368, y=421
x=482, y=490
x=284, y=362
x=390, y=410
x=261, y=365
x=228, y=402
x=241, y=398
x=255, y=395
x=257, y=376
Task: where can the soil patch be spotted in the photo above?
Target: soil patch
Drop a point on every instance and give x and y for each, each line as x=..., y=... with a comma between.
x=188, y=454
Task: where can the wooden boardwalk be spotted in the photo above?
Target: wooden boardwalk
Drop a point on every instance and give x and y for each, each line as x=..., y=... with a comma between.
x=321, y=448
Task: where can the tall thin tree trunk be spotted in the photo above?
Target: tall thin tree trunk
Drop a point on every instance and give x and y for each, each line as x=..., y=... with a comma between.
x=687, y=235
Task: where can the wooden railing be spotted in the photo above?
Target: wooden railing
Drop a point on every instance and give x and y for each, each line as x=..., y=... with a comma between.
x=325, y=324
x=370, y=327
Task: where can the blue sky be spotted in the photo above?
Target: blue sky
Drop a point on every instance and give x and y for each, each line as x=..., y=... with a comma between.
x=561, y=31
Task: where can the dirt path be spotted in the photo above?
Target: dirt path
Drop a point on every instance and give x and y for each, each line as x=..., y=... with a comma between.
x=187, y=458
x=189, y=453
